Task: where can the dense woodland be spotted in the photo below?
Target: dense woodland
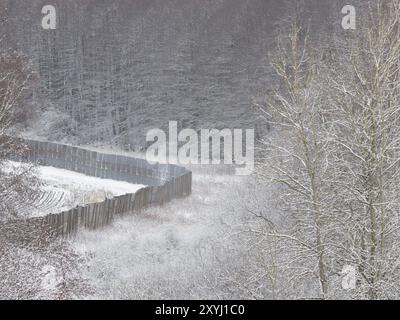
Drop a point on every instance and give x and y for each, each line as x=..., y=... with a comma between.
x=113, y=70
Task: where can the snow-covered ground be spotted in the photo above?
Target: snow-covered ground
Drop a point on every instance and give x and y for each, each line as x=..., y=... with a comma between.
x=183, y=249
x=165, y=252
x=64, y=189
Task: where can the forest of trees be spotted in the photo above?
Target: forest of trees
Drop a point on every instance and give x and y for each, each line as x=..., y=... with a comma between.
x=109, y=68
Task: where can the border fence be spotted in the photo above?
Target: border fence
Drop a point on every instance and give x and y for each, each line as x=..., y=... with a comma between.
x=164, y=182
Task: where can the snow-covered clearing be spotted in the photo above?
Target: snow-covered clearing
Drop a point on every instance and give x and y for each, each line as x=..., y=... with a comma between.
x=164, y=252
x=64, y=189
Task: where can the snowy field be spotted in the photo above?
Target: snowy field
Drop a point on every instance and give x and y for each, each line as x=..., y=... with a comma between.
x=62, y=190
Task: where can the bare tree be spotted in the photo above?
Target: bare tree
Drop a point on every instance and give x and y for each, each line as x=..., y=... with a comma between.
x=363, y=87
x=16, y=184
x=294, y=155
